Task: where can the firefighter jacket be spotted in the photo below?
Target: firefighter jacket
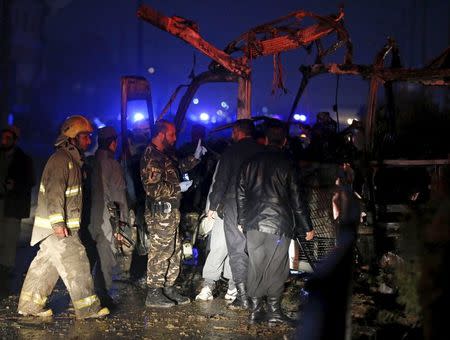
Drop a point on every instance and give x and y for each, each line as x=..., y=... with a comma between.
x=161, y=174
x=268, y=195
x=60, y=194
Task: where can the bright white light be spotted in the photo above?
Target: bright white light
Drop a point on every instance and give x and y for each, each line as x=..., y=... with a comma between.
x=151, y=70
x=224, y=105
x=195, y=101
x=99, y=123
x=297, y=116
x=219, y=112
x=138, y=116
x=302, y=118
x=265, y=109
x=350, y=121
x=213, y=120
x=204, y=116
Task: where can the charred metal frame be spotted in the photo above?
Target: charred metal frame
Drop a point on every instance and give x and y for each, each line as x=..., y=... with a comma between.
x=280, y=35
x=436, y=73
x=286, y=33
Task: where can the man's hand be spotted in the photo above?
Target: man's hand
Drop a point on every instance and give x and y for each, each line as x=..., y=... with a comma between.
x=241, y=229
x=200, y=150
x=210, y=214
x=61, y=232
x=309, y=235
x=119, y=238
x=185, y=185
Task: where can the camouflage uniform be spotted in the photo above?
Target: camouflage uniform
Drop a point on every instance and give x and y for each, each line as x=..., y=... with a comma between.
x=160, y=174
x=59, y=205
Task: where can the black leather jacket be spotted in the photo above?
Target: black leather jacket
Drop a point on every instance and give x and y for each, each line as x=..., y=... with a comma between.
x=224, y=187
x=268, y=195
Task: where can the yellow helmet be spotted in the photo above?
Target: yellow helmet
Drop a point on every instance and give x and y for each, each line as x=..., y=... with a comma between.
x=74, y=125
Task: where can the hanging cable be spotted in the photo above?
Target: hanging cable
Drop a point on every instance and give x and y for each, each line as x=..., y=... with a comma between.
x=335, y=106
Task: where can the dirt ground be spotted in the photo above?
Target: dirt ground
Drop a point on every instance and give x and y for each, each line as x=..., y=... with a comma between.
x=374, y=315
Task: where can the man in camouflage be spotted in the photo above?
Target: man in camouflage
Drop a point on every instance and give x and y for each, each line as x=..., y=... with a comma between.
x=160, y=174
x=56, y=227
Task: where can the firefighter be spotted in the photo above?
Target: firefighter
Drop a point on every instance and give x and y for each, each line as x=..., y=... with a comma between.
x=56, y=228
x=160, y=174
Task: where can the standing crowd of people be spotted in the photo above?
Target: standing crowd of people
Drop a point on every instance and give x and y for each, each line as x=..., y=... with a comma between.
x=254, y=205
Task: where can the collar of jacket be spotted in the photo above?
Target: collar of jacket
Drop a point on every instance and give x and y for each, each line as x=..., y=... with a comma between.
x=10, y=152
x=272, y=147
x=153, y=146
x=73, y=151
x=103, y=153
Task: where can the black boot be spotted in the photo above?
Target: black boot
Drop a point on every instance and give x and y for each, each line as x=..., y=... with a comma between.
x=258, y=313
x=275, y=314
x=241, y=301
x=173, y=295
x=156, y=298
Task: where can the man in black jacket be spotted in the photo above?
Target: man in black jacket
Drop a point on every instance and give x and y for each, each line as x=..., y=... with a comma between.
x=16, y=181
x=270, y=210
x=223, y=195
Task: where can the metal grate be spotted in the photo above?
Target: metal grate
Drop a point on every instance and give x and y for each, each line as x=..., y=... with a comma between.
x=318, y=187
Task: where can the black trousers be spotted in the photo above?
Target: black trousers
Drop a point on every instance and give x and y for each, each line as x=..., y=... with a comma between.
x=236, y=242
x=268, y=267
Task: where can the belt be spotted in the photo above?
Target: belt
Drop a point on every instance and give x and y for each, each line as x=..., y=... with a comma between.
x=163, y=206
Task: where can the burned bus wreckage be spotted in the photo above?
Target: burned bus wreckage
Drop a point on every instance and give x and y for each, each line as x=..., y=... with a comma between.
x=340, y=185
x=303, y=29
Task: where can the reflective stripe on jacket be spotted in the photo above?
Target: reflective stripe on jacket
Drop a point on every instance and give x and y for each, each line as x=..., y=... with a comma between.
x=60, y=193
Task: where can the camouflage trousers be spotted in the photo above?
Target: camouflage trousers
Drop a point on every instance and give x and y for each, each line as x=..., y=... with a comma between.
x=164, y=256
x=65, y=258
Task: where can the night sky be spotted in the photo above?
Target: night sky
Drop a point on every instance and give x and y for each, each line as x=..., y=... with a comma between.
x=91, y=43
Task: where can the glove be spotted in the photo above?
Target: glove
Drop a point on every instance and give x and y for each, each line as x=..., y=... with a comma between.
x=185, y=185
x=200, y=150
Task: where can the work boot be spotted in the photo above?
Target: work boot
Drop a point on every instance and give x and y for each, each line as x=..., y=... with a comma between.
x=99, y=314
x=156, y=298
x=172, y=294
x=257, y=312
x=241, y=301
x=45, y=313
x=275, y=314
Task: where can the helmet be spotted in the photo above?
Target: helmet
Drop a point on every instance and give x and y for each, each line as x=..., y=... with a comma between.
x=73, y=125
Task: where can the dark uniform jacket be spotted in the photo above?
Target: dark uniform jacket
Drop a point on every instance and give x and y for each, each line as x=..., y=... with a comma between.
x=17, y=201
x=230, y=163
x=268, y=195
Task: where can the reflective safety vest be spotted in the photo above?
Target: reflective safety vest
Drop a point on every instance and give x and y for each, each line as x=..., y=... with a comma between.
x=60, y=193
